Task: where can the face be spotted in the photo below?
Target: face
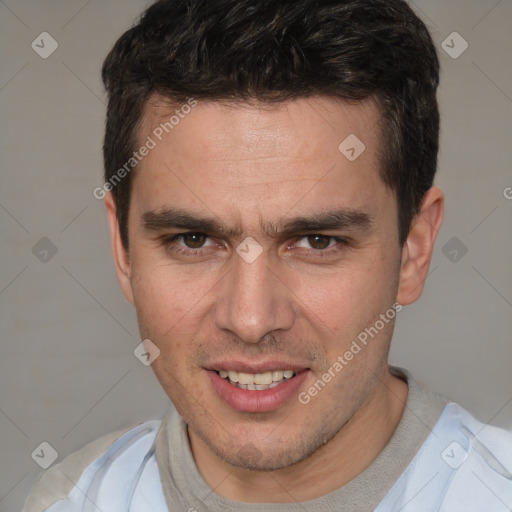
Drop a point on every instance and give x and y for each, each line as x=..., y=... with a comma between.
x=258, y=253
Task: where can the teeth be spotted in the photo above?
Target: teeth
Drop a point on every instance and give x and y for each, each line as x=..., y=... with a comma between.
x=277, y=375
x=257, y=381
x=263, y=378
x=245, y=378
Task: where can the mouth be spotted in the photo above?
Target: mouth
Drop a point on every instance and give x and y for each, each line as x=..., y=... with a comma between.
x=257, y=381
x=266, y=388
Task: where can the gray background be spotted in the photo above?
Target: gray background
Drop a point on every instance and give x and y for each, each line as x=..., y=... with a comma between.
x=67, y=369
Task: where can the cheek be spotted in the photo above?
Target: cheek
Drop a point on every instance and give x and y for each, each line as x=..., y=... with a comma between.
x=344, y=301
x=170, y=311
x=166, y=301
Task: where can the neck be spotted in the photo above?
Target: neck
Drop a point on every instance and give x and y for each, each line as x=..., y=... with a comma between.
x=330, y=467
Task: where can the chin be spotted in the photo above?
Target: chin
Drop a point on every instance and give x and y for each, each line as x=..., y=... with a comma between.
x=268, y=455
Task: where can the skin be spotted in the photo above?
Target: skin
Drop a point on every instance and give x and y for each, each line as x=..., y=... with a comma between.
x=250, y=167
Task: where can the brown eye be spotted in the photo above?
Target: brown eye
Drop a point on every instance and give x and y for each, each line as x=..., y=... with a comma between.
x=319, y=241
x=194, y=240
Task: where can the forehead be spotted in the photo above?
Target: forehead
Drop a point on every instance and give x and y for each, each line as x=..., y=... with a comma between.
x=262, y=129
x=266, y=157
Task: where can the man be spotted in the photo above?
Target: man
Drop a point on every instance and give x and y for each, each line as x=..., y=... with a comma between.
x=269, y=173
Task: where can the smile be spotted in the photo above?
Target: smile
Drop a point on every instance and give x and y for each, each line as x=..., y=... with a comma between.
x=257, y=381
x=257, y=391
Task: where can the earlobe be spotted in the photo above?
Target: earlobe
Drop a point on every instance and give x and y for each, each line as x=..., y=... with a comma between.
x=121, y=257
x=419, y=246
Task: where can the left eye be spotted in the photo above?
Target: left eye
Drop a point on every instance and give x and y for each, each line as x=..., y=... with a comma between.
x=193, y=240
x=318, y=242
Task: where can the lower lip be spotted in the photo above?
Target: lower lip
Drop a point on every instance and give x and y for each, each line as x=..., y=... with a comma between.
x=264, y=400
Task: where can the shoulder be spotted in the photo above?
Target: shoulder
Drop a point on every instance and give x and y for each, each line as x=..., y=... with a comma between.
x=475, y=437
x=479, y=457
x=59, y=481
x=464, y=464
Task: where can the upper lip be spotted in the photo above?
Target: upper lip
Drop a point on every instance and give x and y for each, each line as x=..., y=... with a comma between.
x=255, y=367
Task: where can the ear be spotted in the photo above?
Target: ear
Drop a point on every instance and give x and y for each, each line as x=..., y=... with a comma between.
x=121, y=256
x=419, y=246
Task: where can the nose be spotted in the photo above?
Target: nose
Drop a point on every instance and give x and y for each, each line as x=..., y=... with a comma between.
x=253, y=301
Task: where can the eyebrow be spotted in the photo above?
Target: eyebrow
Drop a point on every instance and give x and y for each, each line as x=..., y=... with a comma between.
x=340, y=219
